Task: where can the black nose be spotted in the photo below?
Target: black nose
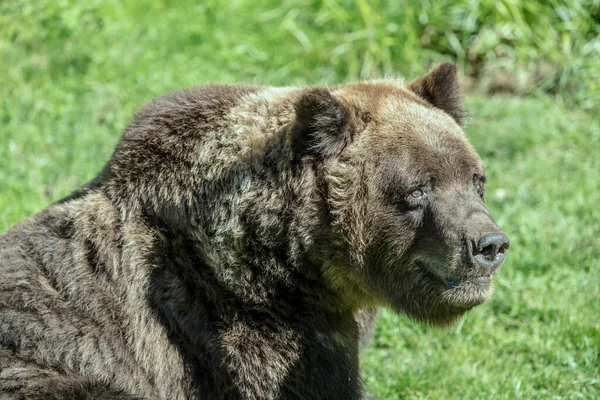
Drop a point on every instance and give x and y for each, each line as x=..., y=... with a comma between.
x=490, y=251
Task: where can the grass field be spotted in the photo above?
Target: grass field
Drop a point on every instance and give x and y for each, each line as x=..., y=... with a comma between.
x=72, y=73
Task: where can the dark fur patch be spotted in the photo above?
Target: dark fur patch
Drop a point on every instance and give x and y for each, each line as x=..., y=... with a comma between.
x=198, y=312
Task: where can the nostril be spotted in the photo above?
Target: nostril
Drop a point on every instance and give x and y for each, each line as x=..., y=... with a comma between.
x=492, y=244
x=503, y=248
x=488, y=252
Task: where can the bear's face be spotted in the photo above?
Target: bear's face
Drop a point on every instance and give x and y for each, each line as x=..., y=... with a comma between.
x=430, y=245
x=405, y=190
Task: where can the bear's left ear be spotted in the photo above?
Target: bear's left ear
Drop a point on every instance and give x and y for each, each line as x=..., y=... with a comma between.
x=322, y=127
x=441, y=88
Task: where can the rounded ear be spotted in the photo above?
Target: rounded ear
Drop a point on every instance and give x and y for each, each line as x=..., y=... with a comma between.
x=441, y=89
x=322, y=127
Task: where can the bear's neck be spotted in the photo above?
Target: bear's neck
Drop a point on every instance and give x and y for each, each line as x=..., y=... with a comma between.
x=275, y=330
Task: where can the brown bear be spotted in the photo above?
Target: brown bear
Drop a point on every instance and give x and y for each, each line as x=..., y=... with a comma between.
x=230, y=247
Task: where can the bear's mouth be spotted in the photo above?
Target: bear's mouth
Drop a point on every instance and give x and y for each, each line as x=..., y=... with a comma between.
x=451, y=283
x=456, y=282
x=464, y=291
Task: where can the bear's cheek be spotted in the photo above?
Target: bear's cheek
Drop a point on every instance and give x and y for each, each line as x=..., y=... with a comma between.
x=390, y=241
x=389, y=254
x=389, y=218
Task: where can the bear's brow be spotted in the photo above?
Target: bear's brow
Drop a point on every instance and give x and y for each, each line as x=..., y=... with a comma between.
x=394, y=174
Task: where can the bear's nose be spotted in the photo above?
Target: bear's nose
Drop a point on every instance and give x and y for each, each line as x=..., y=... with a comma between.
x=490, y=250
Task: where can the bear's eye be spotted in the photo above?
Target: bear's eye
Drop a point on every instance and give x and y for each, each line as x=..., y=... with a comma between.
x=417, y=194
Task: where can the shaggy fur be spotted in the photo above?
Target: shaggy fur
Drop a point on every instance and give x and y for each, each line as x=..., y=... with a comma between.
x=239, y=240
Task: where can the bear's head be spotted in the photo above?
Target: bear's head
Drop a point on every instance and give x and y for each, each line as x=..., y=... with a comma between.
x=404, y=191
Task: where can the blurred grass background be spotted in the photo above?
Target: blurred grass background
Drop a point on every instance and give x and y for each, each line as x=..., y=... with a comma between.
x=73, y=72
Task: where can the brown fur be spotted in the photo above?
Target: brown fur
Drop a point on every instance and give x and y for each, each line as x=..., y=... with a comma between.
x=238, y=242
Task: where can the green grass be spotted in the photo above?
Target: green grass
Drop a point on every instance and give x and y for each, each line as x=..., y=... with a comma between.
x=72, y=73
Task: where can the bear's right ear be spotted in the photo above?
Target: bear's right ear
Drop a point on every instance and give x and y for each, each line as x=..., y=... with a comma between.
x=321, y=127
x=441, y=89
